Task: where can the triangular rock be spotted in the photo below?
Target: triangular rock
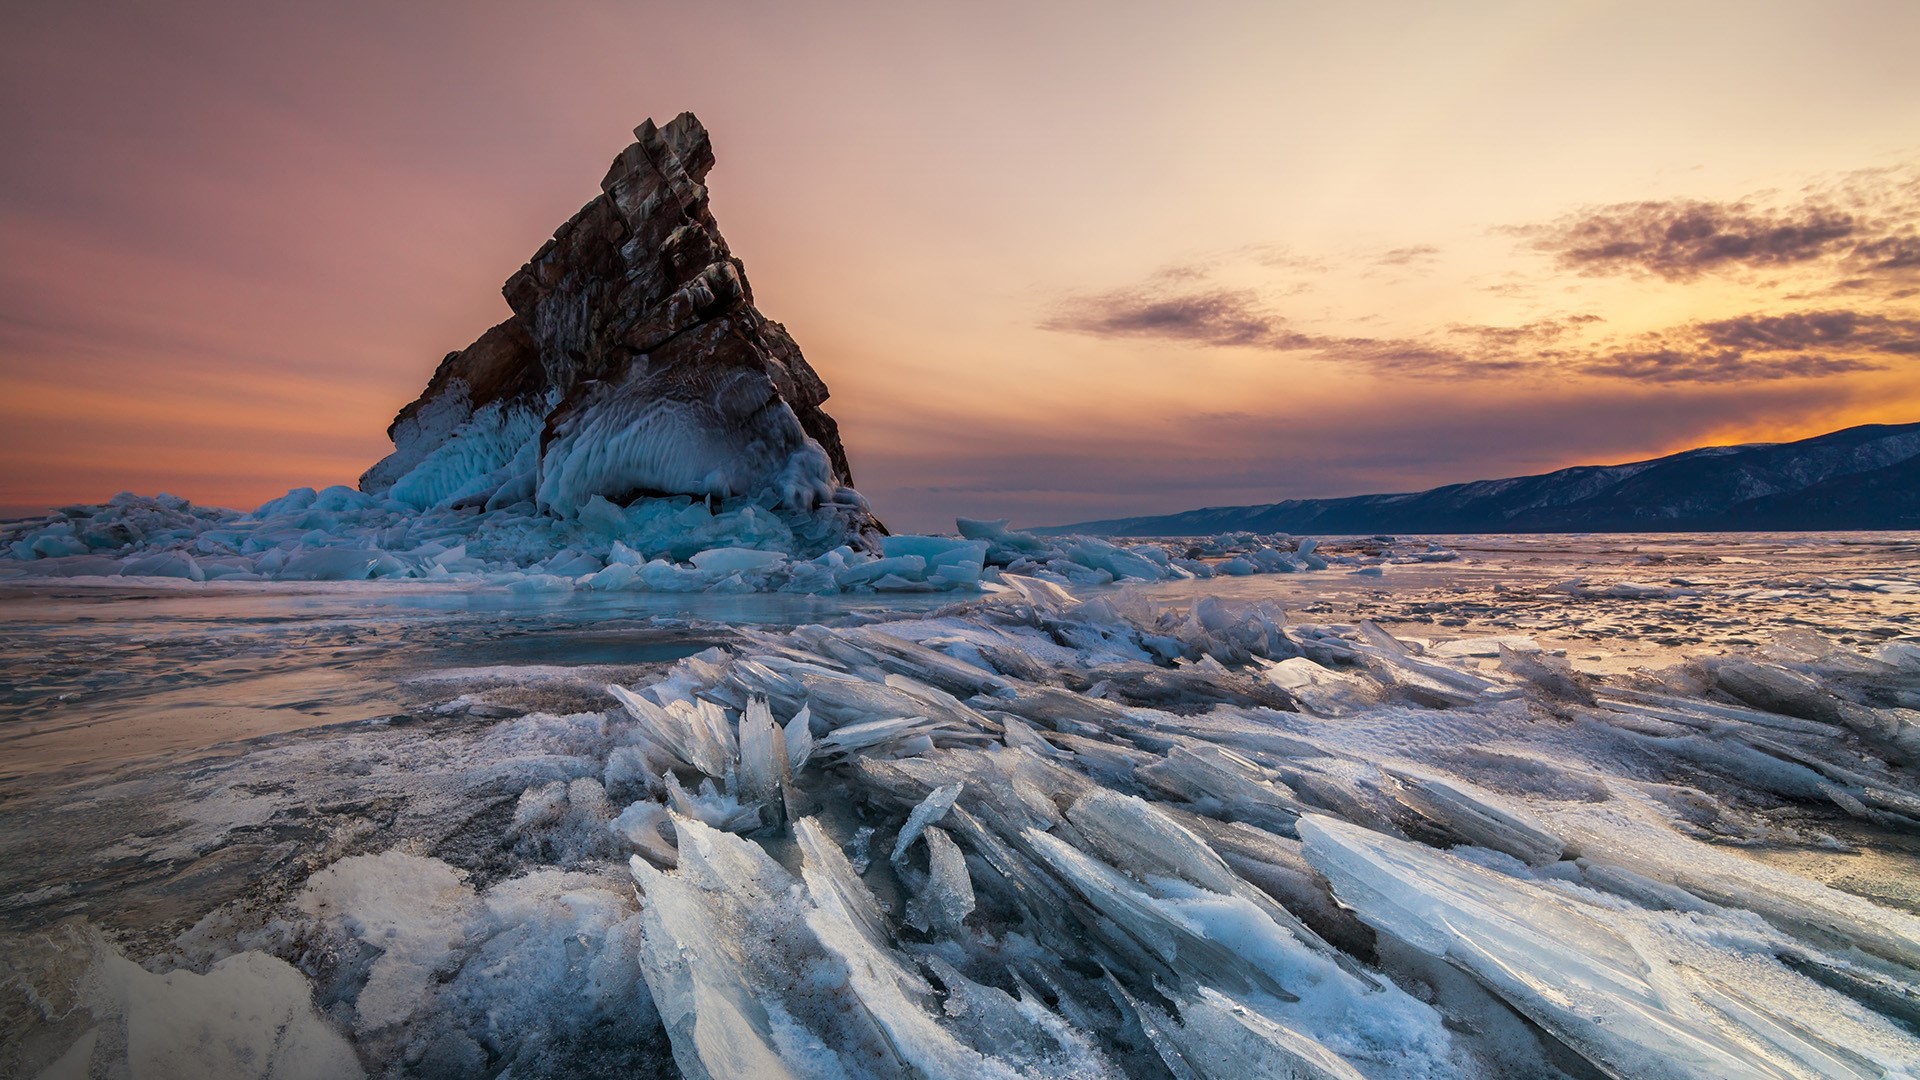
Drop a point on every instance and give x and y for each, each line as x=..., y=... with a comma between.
x=634, y=365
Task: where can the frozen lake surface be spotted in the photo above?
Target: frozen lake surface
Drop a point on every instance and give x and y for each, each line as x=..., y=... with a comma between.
x=1563, y=805
x=96, y=674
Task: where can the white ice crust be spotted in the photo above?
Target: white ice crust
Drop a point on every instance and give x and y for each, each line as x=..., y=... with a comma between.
x=798, y=541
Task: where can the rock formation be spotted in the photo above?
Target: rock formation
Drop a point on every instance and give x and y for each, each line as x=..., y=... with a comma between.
x=634, y=365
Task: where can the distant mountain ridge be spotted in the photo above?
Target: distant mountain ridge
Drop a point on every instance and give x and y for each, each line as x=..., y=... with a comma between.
x=1865, y=477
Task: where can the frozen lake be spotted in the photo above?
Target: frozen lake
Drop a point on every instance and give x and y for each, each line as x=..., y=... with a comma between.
x=98, y=675
x=94, y=676
x=1541, y=724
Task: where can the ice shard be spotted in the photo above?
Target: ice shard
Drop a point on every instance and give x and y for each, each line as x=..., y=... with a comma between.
x=1629, y=1000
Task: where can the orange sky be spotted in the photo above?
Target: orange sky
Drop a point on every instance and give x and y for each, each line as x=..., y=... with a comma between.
x=1056, y=261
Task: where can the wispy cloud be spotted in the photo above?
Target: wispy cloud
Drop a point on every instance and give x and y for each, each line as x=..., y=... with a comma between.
x=1802, y=345
x=1540, y=333
x=1237, y=319
x=1219, y=317
x=1678, y=240
x=1764, y=347
x=1685, y=365
x=1815, y=330
x=1404, y=256
x=1863, y=223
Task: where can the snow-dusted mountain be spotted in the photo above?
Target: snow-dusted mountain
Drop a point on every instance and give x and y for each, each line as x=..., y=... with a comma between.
x=1865, y=477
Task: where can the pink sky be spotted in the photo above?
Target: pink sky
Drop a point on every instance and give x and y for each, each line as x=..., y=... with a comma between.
x=1056, y=261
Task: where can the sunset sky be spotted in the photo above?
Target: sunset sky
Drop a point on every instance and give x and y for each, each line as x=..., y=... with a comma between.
x=1056, y=261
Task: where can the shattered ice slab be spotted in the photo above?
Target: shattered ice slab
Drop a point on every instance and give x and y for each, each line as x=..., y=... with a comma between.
x=1218, y=1038
x=1627, y=993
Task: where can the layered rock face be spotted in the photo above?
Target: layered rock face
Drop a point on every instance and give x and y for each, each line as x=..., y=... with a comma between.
x=634, y=365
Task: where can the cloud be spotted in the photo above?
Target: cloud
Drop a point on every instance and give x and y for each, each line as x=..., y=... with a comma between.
x=1236, y=319
x=1413, y=358
x=1278, y=257
x=1683, y=239
x=1763, y=347
x=1219, y=317
x=1721, y=366
x=1889, y=253
x=1864, y=222
x=1800, y=345
x=1272, y=257
x=1817, y=329
x=1538, y=333
x=1402, y=256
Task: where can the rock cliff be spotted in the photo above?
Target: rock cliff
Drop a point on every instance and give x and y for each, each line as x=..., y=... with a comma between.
x=634, y=365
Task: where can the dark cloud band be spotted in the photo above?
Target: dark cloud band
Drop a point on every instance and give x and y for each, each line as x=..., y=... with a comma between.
x=1678, y=240
x=1801, y=345
x=1865, y=224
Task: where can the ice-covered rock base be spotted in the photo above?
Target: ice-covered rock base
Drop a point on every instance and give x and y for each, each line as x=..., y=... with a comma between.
x=674, y=544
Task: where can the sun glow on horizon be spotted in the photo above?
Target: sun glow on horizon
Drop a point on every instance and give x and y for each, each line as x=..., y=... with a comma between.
x=1071, y=262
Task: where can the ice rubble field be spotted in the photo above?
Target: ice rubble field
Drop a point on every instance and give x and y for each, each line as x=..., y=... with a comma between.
x=1041, y=834
x=662, y=545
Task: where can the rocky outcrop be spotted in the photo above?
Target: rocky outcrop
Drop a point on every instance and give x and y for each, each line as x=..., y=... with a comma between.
x=635, y=365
